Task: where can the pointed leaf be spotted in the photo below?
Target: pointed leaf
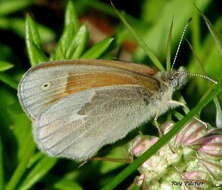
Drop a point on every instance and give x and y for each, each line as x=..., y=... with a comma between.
x=31, y=30
x=71, y=15
x=33, y=44
x=8, y=7
x=98, y=49
x=64, y=43
x=69, y=32
x=77, y=44
x=5, y=66
x=36, y=56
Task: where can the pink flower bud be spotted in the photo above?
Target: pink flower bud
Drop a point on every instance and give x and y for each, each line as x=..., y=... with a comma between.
x=210, y=144
x=190, y=133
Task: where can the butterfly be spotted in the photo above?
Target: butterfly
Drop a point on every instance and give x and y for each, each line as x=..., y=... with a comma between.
x=79, y=106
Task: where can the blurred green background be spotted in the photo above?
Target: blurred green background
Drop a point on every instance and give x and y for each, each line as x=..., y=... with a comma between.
x=91, y=29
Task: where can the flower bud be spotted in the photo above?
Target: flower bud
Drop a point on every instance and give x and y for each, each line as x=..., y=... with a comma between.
x=210, y=144
x=190, y=133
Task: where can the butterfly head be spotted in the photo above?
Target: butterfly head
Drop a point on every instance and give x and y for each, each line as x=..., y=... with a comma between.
x=176, y=78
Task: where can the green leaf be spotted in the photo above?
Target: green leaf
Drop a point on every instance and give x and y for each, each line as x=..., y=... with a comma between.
x=35, y=158
x=168, y=54
x=140, y=41
x=33, y=43
x=98, y=49
x=217, y=89
x=40, y=169
x=19, y=171
x=70, y=29
x=67, y=184
x=36, y=56
x=8, y=7
x=71, y=16
x=8, y=80
x=77, y=44
x=69, y=42
x=64, y=43
x=5, y=66
x=218, y=113
x=31, y=30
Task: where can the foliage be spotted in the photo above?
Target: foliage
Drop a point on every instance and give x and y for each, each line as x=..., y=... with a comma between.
x=22, y=166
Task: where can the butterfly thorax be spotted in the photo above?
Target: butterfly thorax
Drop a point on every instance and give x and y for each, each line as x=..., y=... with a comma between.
x=161, y=100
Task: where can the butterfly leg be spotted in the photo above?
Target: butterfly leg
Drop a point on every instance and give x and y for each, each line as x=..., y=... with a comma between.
x=175, y=103
x=157, y=124
x=82, y=164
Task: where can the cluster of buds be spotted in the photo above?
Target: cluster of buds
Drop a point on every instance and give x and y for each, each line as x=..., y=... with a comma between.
x=191, y=160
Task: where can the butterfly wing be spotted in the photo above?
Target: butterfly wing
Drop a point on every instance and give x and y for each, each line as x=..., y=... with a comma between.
x=47, y=83
x=78, y=125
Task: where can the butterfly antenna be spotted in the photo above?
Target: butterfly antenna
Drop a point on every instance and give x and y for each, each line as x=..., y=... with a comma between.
x=202, y=76
x=180, y=42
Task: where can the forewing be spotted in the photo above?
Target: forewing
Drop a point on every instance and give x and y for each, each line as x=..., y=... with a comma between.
x=80, y=124
x=63, y=78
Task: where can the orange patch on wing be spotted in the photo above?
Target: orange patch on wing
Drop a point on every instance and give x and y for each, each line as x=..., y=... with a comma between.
x=79, y=82
x=126, y=74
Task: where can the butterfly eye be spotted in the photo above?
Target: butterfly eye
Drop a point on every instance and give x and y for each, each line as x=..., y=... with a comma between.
x=45, y=85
